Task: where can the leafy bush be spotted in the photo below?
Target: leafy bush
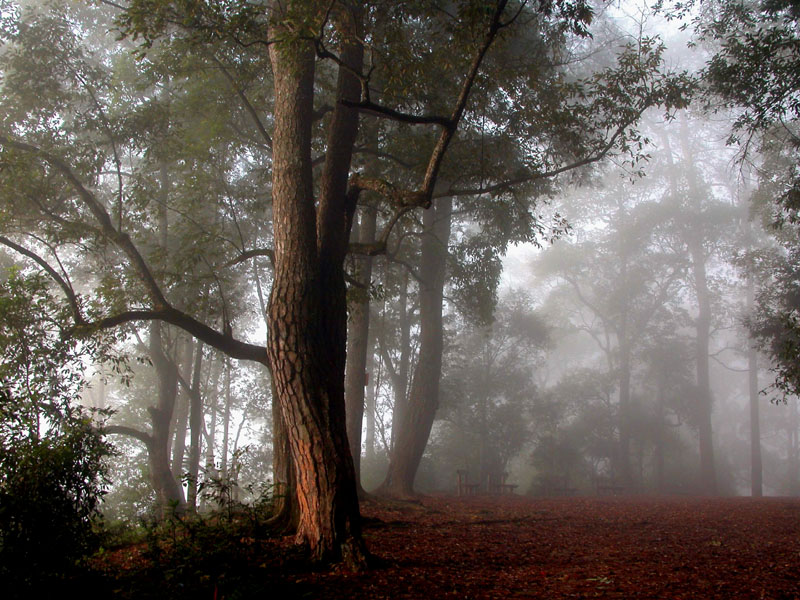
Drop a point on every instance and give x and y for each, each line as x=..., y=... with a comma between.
x=50, y=489
x=52, y=471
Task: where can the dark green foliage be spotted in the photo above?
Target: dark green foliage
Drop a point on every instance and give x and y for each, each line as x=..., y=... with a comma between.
x=757, y=65
x=52, y=470
x=756, y=69
x=50, y=489
x=776, y=322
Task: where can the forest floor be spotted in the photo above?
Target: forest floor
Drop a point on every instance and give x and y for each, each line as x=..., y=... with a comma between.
x=516, y=547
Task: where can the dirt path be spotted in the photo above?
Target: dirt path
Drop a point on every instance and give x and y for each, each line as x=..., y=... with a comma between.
x=512, y=547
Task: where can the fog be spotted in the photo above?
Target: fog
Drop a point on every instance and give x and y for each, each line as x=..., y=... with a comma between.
x=302, y=260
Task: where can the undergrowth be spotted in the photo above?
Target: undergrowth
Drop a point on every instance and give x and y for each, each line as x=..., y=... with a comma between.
x=228, y=553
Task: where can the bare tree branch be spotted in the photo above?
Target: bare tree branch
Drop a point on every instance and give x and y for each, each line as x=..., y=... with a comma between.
x=248, y=254
x=245, y=102
x=369, y=107
x=143, y=437
x=121, y=239
x=162, y=309
x=225, y=343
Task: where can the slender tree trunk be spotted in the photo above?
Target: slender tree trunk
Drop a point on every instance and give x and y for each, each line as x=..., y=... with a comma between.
x=756, y=471
x=182, y=414
x=307, y=311
x=226, y=420
x=794, y=447
x=703, y=325
x=195, y=427
x=355, y=372
x=756, y=476
x=624, y=408
x=660, y=424
x=400, y=375
x=371, y=394
x=211, y=426
x=624, y=349
x=169, y=495
x=417, y=419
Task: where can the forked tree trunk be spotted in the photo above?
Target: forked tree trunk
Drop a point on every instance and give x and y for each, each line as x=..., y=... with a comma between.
x=307, y=312
x=416, y=420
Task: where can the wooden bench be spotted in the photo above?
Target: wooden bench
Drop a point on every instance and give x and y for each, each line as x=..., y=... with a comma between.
x=561, y=491
x=498, y=485
x=555, y=486
x=610, y=489
x=464, y=487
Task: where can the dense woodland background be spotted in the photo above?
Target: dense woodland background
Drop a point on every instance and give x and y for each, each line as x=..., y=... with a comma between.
x=564, y=235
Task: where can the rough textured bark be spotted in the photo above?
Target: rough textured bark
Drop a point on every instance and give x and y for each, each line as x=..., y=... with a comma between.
x=416, y=421
x=358, y=342
x=306, y=346
x=286, y=509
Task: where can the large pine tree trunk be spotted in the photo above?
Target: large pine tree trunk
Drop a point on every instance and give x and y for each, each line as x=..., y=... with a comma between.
x=307, y=312
x=416, y=420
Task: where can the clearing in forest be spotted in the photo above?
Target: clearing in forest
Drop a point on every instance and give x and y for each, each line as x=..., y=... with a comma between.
x=515, y=547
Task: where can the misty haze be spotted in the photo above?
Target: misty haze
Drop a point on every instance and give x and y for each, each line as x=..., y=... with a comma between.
x=399, y=299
